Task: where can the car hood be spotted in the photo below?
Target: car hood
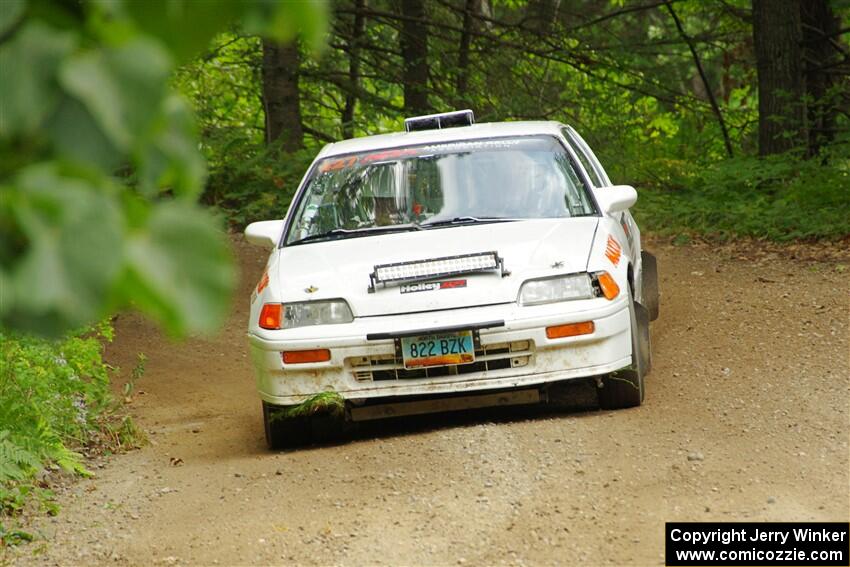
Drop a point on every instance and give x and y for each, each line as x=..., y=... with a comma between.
x=341, y=268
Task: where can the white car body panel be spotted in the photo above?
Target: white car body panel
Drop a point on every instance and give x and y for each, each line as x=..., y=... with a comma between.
x=341, y=268
x=530, y=249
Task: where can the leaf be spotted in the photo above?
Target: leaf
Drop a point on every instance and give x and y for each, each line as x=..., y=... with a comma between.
x=184, y=26
x=11, y=12
x=73, y=231
x=172, y=158
x=121, y=87
x=16, y=463
x=76, y=135
x=180, y=269
x=28, y=89
x=283, y=21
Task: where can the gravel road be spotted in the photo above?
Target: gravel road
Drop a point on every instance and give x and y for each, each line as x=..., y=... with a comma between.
x=746, y=418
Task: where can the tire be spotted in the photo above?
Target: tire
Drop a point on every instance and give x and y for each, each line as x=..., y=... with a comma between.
x=649, y=284
x=289, y=432
x=625, y=388
x=285, y=432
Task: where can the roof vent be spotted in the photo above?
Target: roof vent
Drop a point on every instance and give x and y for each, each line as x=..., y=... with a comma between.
x=439, y=121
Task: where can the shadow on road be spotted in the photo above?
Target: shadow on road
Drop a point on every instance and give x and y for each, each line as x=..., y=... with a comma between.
x=577, y=402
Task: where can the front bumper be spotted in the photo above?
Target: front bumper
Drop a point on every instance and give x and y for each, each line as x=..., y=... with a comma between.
x=515, y=355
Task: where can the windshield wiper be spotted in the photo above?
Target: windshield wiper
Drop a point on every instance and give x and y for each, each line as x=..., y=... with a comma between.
x=353, y=232
x=465, y=220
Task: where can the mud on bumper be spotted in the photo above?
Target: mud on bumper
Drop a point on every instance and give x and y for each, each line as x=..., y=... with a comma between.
x=516, y=356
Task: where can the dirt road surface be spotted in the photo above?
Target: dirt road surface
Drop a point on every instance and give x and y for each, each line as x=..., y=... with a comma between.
x=746, y=418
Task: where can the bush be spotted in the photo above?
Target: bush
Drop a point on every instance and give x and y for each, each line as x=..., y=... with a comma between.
x=255, y=183
x=54, y=399
x=777, y=198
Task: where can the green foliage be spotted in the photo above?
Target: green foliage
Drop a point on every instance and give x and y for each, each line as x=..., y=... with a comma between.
x=258, y=187
x=248, y=180
x=54, y=400
x=100, y=165
x=780, y=198
x=52, y=395
x=135, y=374
x=13, y=536
x=322, y=403
x=15, y=462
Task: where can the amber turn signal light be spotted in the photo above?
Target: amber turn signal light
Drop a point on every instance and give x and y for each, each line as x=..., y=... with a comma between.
x=270, y=315
x=571, y=330
x=609, y=287
x=302, y=356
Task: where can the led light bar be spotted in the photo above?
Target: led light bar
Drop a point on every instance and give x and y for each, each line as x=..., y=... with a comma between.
x=436, y=267
x=440, y=121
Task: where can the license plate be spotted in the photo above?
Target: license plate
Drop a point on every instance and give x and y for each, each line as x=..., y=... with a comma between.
x=440, y=349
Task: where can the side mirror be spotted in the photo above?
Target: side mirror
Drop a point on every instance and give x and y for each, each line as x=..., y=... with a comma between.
x=615, y=198
x=264, y=233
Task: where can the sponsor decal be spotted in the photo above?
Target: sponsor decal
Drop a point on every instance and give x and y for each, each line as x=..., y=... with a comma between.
x=613, y=251
x=337, y=164
x=450, y=284
x=474, y=145
x=388, y=155
x=264, y=281
x=431, y=286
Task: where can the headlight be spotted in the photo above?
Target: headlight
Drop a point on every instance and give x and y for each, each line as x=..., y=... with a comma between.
x=307, y=313
x=560, y=288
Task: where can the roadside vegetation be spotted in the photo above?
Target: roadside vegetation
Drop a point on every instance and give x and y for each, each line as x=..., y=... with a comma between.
x=780, y=198
x=99, y=178
x=118, y=118
x=55, y=409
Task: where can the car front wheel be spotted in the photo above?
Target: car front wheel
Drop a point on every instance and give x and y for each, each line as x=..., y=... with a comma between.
x=651, y=293
x=285, y=431
x=625, y=388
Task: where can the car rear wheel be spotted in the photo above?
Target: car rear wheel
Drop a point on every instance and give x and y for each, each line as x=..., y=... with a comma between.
x=625, y=388
x=649, y=284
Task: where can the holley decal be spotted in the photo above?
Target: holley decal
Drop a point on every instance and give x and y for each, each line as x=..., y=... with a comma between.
x=431, y=286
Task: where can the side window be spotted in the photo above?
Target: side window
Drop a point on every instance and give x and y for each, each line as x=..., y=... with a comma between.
x=577, y=140
x=575, y=195
x=583, y=159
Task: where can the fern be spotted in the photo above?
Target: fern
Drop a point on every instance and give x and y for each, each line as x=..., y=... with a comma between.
x=16, y=463
x=53, y=396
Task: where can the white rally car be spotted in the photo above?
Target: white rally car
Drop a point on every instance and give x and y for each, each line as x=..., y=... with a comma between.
x=453, y=265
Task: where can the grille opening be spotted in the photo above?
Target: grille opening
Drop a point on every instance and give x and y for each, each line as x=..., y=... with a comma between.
x=490, y=357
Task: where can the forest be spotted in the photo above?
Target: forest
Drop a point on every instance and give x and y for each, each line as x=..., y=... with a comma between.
x=134, y=134
x=732, y=119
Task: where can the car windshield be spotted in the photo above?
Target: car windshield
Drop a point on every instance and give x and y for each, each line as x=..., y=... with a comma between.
x=439, y=185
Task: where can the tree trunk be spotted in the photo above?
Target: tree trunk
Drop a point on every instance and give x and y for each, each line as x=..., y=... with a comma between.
x=777, y=38
x=414, y=52
x=463, y=52
x=281, y=95
x=819, y=27
x=542, y=14
x=357, y=31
